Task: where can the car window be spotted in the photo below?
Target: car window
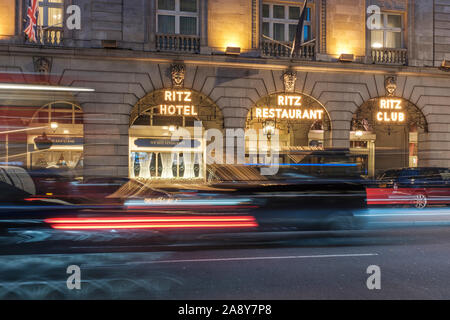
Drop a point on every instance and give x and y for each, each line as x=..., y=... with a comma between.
x=18, y=178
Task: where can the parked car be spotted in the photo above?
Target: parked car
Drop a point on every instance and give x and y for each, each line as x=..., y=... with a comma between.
x=17, y=178
x=419, y=187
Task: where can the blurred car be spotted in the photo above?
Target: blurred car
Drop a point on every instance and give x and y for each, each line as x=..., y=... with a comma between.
x=418, y=187
x=237, y=203
x=18, y=178
x=65, y=185
x=287, y=201
x=99, y=188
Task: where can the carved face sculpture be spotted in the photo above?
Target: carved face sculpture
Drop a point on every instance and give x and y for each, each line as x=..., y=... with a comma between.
x=178, y=72
x=289, y=79
x=390, y=85
x=42, y=65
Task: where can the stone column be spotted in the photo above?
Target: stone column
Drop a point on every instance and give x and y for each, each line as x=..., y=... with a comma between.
x=338, y=136
x=106, y=149
x=234, y=118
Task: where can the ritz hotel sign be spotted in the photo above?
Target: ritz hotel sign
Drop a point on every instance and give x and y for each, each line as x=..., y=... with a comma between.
x=292, y=112
x=177, y=103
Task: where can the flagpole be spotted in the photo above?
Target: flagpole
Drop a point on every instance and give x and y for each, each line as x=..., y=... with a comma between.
x=299, y=30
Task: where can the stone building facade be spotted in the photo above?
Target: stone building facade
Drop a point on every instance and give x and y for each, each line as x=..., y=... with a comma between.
x=121, y=53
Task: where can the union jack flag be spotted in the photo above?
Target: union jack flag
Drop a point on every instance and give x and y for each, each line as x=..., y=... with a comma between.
x=32, y=16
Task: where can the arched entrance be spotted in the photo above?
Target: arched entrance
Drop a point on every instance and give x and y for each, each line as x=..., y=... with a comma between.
x=55, y=139
x=386, y=132
x=153, y=122
x=302, y=123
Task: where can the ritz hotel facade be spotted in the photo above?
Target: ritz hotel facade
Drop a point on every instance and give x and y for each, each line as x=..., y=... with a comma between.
x=382, y=93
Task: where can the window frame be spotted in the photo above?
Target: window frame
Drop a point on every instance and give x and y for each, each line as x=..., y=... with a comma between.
x=286, y=21
x=385, y=29
x=45, y=5
x=177, y=13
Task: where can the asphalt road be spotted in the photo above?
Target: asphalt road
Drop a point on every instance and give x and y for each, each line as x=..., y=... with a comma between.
x=414, y=264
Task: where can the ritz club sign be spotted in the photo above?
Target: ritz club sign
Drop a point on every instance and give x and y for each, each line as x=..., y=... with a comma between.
x=390, y=110
x=177, y=103
x=289, y=107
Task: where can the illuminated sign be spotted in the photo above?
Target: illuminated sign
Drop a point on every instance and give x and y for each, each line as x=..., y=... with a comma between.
x=177, y=104
x=166, y=143
x=292, y=112
x=389, y=111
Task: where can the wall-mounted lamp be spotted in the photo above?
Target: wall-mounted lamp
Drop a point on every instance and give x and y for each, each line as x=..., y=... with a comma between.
x=346, y=57
x=233, y=51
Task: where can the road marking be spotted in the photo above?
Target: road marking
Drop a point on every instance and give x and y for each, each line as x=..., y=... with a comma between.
x=263, y=258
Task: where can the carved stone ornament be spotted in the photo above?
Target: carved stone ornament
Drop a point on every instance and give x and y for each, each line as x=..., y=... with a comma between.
x=178, y=71
x=289, y=78
x=42, y=65
x=390, y=83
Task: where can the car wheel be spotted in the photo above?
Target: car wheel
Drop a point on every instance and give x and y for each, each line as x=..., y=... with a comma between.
x=421, y=201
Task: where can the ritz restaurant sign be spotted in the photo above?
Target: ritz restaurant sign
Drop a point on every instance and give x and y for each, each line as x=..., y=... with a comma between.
x=288, y=107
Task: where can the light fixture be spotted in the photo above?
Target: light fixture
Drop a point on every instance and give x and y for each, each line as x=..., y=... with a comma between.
x=359, y=133
x=17, y=86
x=172, y=128
x=66, y=131
x=346, y=57
x=269, y=128
x=54, y=126
x=233, y=51
x=109, y=44
x=445, y=65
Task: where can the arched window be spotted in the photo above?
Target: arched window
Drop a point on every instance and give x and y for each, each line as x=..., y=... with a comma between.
x=59, y=112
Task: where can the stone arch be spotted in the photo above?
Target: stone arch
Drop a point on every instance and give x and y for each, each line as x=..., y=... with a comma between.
x=154, y=152
x=394, y=126
x=297, y=130
x=55, y=137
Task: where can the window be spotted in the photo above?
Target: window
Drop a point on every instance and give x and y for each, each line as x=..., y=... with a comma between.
x=177, y=17
x=60, y=112
x=51, y=13
x=390, y=33
x=280, y=22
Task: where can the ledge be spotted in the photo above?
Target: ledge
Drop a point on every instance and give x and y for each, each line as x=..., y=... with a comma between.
x=220, y=61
